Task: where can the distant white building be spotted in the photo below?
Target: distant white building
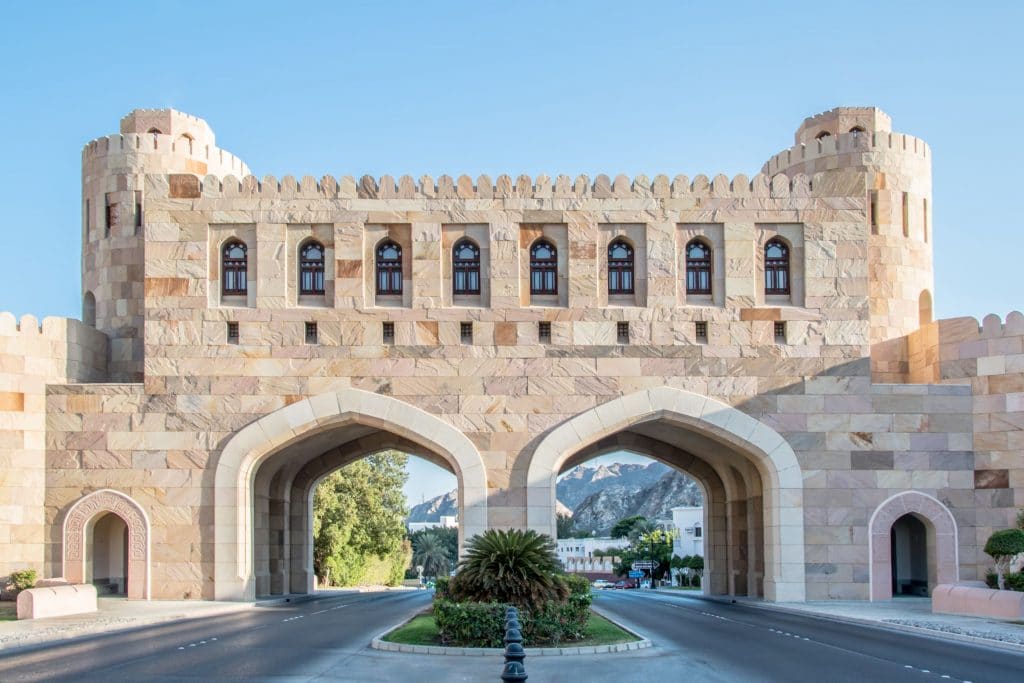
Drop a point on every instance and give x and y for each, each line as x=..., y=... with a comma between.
x=577, y=554
x=445, y=522
x=690, y=537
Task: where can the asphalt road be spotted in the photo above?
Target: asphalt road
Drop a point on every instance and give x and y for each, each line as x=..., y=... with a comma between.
x=694, y=640
x=743, y=643
x=294, y=641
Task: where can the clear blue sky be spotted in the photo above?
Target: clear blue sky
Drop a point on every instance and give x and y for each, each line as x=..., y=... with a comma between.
x=517, y=87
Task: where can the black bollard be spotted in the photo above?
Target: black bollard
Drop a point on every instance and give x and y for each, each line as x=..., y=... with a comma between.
x=514, y=671
x=512, y=623
x=514, y=652
x=513, y=635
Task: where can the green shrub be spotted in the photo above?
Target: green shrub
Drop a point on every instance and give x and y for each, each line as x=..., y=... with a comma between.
x=1014, y=582
x=441, y=584
x=470, y=624
x=23, y=579
x=991, y=580
x=511, y=567
x=1002, y=546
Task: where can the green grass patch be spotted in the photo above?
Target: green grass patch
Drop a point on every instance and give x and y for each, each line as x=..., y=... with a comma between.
x=679, y=588
x=8, y=611
x=422, y=630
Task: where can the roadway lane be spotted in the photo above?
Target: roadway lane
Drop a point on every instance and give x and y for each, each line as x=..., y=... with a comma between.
x=296, y=641
x=752, y=644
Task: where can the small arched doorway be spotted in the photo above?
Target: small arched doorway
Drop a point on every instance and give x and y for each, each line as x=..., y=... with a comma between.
x=909, y=547
x=908, y=531
x=106, y=557
x=106, y=539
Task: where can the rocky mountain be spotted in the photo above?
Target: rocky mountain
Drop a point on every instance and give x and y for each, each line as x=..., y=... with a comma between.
x=601, y=510
x=432, y=510
x=580, y=482
x=597, y=497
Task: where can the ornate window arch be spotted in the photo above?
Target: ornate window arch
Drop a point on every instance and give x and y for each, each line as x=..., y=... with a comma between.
x=620, y=268
x=234, y=268
x=698, y=267
x=465, y=267
x=89, y=508
x=389, y=268
x=311, y=268
x=543, y=268
x=776, y=267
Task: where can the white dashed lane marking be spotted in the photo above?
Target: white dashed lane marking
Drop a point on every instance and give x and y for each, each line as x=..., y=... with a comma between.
x=197, y=644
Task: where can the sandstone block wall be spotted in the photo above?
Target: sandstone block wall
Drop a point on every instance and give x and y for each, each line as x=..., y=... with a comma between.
x=33, y=355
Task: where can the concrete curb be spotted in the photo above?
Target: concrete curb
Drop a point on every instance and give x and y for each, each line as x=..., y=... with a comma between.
x=643, y=642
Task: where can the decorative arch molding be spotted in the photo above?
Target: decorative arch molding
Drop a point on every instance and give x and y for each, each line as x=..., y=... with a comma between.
x=244, y=452
x=760, y=444
x=88, y=508
x=943, y=544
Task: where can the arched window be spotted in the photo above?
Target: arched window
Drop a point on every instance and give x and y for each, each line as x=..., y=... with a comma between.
x=465, y=268
x=543, y=268
x=233, y=268
x=776, y=267
x=311, y=268
x=698, y=268
x=857, y=130
x=620, y=268
x=822, y=135
x=89, y=309
x=389, y=268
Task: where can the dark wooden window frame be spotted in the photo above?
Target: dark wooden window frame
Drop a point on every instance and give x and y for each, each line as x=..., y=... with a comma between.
x=698, y=269
x=465, y=271
x=543, y=270
x=620, y=269
x=311, y=269
x=776, y=268
x=234, y=269
x=389, y=270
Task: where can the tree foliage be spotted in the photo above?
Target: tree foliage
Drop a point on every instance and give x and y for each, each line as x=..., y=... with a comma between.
x=1003, y=546
x=435, y=549
x=359, y=522
x=511, y=567
x=654, y=544
x=632, y=527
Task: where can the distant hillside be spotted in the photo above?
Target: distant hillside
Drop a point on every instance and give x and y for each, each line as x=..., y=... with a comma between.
x=581, y=482
x=597, y=497
x=600, y=511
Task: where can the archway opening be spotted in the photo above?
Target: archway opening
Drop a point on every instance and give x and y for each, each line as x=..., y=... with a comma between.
x=106, y=565
x=267, y=473
x=354, y=532
x=909, y=547
x=752, y=483
x=631, y=520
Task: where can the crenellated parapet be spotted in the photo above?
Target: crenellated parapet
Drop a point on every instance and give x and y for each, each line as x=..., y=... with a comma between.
x=219, y=161
x=523, y=187
x=832, y=145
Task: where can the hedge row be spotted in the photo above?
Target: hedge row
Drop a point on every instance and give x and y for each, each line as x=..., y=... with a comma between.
x=482, y=624
x=1014, y=581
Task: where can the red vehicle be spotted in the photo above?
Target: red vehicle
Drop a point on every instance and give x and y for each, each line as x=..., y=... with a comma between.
x=622, y=585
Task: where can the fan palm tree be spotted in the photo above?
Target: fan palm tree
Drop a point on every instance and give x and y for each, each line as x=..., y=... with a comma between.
x=514, y=567
x=431, y=552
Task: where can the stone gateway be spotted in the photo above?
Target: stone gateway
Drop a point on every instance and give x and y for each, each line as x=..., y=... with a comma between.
x=770, y=336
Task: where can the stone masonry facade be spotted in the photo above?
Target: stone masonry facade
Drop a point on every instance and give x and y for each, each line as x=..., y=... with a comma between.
x=812, y=417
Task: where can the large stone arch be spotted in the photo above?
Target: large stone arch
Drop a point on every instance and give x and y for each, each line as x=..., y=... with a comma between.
x=943, y=548
x=759, y=444
x=89, y=508
x=244, y=452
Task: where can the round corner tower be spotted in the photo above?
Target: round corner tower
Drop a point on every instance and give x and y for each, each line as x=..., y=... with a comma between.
x=853, y=151
x=113, y=205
